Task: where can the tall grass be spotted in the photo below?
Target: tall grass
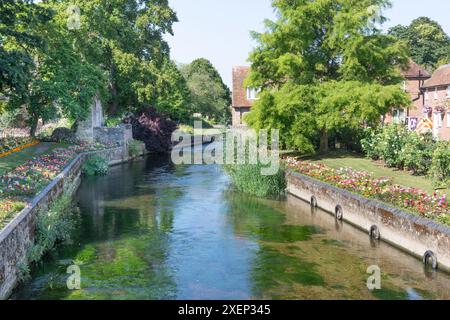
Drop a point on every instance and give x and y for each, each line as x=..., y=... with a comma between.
x=53, y=226
x=249, y=179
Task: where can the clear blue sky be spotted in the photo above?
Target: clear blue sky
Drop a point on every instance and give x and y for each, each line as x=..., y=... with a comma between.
x=219, y=30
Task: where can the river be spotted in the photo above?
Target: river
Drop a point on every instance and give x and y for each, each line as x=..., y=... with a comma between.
x=153, y=230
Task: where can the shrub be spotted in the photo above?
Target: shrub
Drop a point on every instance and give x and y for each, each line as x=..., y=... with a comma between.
x=370, y=144
x=95, y=166
x=63, y=135
x=393, y=138
x=417, y=153
x=134, y=148
x=440, y=167
x=400, y=148
x=154, y=129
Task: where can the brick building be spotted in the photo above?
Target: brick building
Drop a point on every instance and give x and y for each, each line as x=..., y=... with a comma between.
x=415, y=77
x=436, y=93
x=243, y=97
x=430, y=95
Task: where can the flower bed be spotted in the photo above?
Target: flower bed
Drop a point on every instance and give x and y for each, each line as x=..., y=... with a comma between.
x=416, y=201
x=13, y=144
x=18, y=186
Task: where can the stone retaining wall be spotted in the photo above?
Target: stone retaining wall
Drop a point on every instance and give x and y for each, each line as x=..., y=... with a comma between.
x=18, y=235
x=413, y=234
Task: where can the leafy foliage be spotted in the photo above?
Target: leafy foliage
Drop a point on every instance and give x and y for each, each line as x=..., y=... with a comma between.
x=54, y=225
x=419, y=153
x=62, y=83
x=125, y=37
x=173, y=94
x=134, y=148
x=95, y=166
x=440, y=167
x=324, y=66
x=210, y=96
x=428, y=43
x=301, y=112
x=20, y=22
x=153, y=129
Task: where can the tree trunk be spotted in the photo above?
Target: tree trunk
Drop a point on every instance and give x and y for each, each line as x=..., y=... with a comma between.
x=323, y=141
x=33, y=125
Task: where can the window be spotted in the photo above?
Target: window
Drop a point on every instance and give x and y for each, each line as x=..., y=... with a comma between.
x=427, y=96
x=437, y=121
x=252, y=94
x=404, y=86
x=436, y=94
x=448, y=92
x=399, y=116
x=448, y=119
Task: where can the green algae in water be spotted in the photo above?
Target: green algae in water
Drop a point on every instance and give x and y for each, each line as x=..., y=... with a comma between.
x=251, y=217
x=390, y=294
x=332, y=242
x=273, y=268
x=87, y=255
x=286, y=233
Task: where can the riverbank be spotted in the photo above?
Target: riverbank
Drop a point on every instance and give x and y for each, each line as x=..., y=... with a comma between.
x=18, y=235
x=418, y=236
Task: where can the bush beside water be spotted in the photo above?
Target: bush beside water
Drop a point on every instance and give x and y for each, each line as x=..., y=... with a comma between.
x=134, y=148
x=95, y=166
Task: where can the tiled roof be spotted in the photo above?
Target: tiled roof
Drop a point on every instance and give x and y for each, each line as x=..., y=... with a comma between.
x=415, y=71
x=441, y=77
x=240, y=73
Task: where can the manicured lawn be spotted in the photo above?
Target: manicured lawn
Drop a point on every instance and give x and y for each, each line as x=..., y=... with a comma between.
x=338, y=160
x=16, y=159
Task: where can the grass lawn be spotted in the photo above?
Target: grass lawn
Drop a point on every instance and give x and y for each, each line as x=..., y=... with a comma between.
x=338, y=160
x=16, y=159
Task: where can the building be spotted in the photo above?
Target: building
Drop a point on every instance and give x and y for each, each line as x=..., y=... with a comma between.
x=243, y=97
x=436, y=92
x=415, y=77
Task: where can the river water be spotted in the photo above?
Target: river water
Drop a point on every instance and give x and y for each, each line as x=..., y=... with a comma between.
x=153, y=230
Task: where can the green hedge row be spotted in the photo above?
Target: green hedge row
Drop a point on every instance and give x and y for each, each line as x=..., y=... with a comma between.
x=406, y=150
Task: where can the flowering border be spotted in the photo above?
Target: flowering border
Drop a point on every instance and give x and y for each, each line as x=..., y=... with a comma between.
x=416, y=201
x=19, y=148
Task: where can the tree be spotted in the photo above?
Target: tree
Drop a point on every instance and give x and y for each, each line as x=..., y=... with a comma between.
x=20, y=22
x=323, y=66
x=428, y=43
x=173, y=94
x=210, y=96
x=125, y=38
x=62, y=84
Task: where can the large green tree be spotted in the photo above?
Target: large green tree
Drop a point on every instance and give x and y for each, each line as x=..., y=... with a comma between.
x=210, y=95
x=20, y=22
x=61, y=82
x=125, y=38
x=173, y=94
x=428, y=43
x=323, y=66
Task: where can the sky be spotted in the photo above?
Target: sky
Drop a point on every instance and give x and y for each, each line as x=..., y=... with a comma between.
x=219, y=30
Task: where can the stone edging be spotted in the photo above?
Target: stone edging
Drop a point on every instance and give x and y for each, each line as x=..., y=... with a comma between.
x=18, y=234
x=416, y=235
